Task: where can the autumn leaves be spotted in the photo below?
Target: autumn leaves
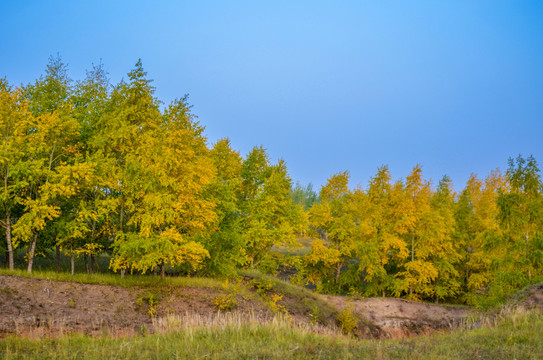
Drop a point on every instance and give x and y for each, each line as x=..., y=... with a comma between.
x=407, y=239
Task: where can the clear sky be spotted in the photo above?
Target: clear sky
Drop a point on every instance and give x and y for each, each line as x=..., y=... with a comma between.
x=456, y=86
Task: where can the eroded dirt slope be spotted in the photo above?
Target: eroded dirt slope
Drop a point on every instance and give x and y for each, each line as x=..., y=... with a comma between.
x=43, y=307
x=396, y=318
x=36, y=307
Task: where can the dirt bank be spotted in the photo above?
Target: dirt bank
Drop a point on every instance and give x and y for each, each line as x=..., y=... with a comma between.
x=34, y=307
x=395, y=318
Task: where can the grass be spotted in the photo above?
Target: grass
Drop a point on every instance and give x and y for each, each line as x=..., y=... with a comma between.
x=513, y=337
x=116, y=280
x=303, y=249
x=301, y=300
x=512, y=333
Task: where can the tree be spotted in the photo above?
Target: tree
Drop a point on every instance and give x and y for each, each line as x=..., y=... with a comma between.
x=444, y=255
x=13, y=112
x=52, y=134
x=265, y=205
x=304, y=196
x=412, y=208
x=477, y=233
x=225, y=244
x=131, y=111
x=382, y=248
x=166, y=173
x=520, y=212
x=333, y=218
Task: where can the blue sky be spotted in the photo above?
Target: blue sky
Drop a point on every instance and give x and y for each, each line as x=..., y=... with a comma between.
x=456, y=86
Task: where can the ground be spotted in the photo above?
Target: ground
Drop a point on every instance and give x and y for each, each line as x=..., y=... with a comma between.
x=395, y=318
x=36, y=307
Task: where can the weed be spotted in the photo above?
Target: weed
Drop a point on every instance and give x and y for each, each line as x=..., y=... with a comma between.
x=347, y=321
x=262, y=285
x=225, y=302
x=239, y=336
x=275, y=306
x=228, y=301
x=314, y=315
x=143, y=330
x=151, y=300
x=71, y=303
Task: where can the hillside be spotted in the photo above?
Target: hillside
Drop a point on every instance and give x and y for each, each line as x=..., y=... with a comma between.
x=36, y=307
x=94, y=317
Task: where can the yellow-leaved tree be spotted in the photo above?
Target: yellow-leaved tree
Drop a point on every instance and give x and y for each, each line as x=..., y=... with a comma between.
x=415, y=224
x=333, y=219
x=266, y=206
x=164, y=177
x=14, y=109
x=52, y=133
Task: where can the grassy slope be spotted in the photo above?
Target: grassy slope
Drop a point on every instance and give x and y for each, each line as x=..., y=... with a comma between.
x=515, y=337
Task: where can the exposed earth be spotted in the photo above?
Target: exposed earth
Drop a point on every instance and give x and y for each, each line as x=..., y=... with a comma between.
x=395, y=318
x=35, y=307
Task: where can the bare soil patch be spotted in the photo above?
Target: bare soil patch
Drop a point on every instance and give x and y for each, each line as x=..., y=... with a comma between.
x=397, y=318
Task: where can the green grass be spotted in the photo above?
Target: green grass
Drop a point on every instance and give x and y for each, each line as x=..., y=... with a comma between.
x=303, y=249
x=116, y=280
x=515, y=337
x=298, y=300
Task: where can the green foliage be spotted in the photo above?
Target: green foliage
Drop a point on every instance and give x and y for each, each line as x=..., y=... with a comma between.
x=226, y=245
x=151, y=300
x=227, y=301
x=304, y=196
x=265, y=205
x=347, y=321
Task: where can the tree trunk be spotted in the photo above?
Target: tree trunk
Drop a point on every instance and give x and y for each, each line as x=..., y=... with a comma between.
x=527, y=238
x=338, y=271
x=31, y=251
x=11, y=263
x=121, y=215
x=96, y=268
x=384, y=295
x=122, y=273
x=162, y=272
x=412, y=259
x=57, y=257
x=8, y=217
x=72, y=263
x=85, y=258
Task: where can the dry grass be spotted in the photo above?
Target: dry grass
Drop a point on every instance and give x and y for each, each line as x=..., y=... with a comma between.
x=237, y=321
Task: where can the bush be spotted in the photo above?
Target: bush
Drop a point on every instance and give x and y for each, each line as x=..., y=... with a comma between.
x=347, y=321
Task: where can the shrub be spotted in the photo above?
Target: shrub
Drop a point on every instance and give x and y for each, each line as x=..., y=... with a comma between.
x=347, y=321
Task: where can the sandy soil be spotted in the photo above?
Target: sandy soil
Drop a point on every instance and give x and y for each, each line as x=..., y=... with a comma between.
x=394, y=318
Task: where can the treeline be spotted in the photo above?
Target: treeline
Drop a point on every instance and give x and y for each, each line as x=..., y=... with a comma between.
x=89, y=168
x=405, y=238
